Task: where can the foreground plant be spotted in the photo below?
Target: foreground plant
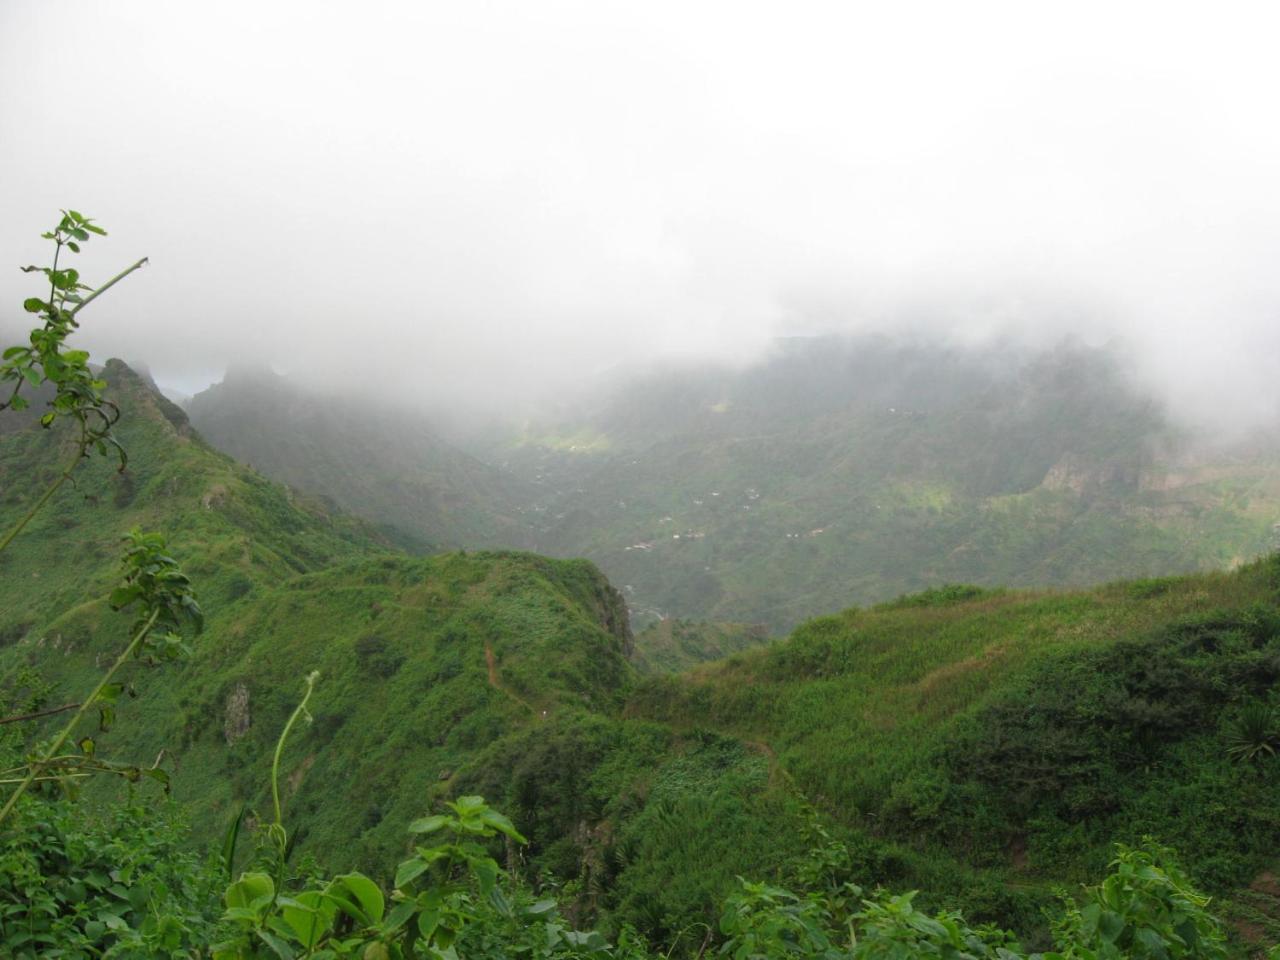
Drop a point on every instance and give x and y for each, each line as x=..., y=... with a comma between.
x=1144, y=910
x=1254, y=736
x=165, y=605
x=78, y=392
x=448, y=893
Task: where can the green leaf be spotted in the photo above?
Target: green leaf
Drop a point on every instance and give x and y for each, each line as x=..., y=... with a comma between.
x=541, y=907
x=502, y=824
x=398, y=915
x=250, y=887
x=486, y=872
x=468, y=804
x=278, y=946
x=33, y=304
x=366, y=893
x=428, y=824
x=229, y=841
x=160, y=776
x=310, y=916
x=409, y=870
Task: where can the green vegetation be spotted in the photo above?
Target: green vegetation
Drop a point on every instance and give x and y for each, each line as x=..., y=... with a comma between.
x=385, y=464
x=834, y=473
x=988, y=747
x=672, y=645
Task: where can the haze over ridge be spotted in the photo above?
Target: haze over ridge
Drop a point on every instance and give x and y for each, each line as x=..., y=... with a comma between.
x=482, y=204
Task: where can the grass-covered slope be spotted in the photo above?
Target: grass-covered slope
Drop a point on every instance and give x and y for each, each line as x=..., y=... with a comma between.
x=233, y=530
x=672, y=645
x=1024, y=732
x=503, y=673
x=985, y=745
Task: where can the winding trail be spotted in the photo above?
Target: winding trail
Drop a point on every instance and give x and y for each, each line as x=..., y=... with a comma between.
x=495, y=681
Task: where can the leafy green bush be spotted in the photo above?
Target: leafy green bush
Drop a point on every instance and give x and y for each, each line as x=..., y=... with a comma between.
x=74, y=885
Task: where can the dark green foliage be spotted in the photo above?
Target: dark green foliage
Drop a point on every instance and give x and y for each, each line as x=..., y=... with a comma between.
x=943, y=596
x=985, y=745
x=671, y=645
x=1254, y=736
x=75, y=883
x=1135, y=734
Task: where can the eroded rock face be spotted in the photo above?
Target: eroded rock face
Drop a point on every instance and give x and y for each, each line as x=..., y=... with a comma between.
x=236, y=720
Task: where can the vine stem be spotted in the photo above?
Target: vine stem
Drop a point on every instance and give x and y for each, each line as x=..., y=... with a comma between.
x=108, y=285
x=34, y=769
x=38, y=714
x=275, y=762
x=44, y=498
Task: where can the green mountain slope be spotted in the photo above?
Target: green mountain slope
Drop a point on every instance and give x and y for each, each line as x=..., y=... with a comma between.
x=234, y=530
x=382, y=463
x=849, y=472
x=497, y=671
x=833, y=472
x=985, y=746
x=1024, y=732
x=672, y=646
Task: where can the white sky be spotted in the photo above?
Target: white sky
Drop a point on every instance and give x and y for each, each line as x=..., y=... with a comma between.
x=495, y=199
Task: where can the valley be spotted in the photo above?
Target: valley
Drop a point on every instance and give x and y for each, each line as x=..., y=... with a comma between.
x=984, y=744
x=834, y=472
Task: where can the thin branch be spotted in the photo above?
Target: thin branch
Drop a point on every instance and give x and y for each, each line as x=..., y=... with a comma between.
x=37, y=716
x=53, y=488
x=34, y=769
x=64, y=776
x=108, y=285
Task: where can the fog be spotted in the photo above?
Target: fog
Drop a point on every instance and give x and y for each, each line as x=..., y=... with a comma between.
x=486, y=204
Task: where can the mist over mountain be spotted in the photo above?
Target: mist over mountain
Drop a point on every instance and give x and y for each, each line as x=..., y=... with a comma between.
x=639, y=480
x=835, y=471
x=1056, y=720
x=381, y=461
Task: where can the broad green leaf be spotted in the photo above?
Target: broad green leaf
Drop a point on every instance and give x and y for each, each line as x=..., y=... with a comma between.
x=409, y=870
x=398, y=915
x=278, y=946
x=502, y=824
x=310, y=915
x=428, y=824
x=248, y=889
x=367, y=894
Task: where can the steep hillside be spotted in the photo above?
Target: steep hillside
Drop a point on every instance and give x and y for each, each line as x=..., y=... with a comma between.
x=672, y=645
x=984, y=745
x=503, y=672
x=832, y=472
x=1025, y=732
x=235, y=531
x=385, y=464
x=846, y=472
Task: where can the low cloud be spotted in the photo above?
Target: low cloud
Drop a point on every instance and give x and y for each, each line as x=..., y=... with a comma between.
x=482, y=205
